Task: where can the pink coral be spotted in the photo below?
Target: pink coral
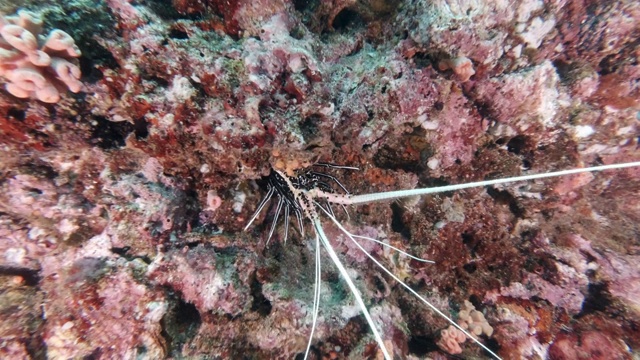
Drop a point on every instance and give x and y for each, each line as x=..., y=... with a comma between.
x=33, y=67
x=95, y=304
x=589, y=345
x=473, y=320
x=461, y=66
x=204, y=279
x=450, y=340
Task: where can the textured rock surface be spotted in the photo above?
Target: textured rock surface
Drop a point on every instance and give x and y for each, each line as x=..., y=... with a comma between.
x=122, y=206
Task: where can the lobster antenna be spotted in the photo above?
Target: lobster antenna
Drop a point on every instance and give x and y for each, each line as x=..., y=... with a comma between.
x=367, y=198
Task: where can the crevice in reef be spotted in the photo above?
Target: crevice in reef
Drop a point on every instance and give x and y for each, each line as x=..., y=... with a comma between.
x=504, y=197
x=397, y=223
x=180, y=324
x=422, y=345
x=31, y=276
x=260, y=303
x=598, y=299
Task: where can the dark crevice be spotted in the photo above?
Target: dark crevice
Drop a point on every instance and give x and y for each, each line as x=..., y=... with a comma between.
x=504, y=197
x=141, y=350
x=34, y=191
x=18, y=114
x=524, y=147
x=110, y=135
x=31, y=276
x=422, y=345
x=39, y=170
x=476, y=301
x=424, y=60
x=36, y=347
x=140, y=128
x=501, y=141
x=305, y=5
x=519, y=145
x=120, y=251
x=260, y=303
x=91, y=64
x=426, y=181
x=165, y=10
x=493, y=345
x=160, y=82
x=397, y=224
x=471, y=242
x=379, y=284
x=346, y=19
x=484, y=111
x=470, y=267
x=314, y=353
x=609, y=64
x=309, y=127
x=180, y=324
x=194, y=244
x=95, y=355
x=178, y=34
x=598, y=299
x=563, y=68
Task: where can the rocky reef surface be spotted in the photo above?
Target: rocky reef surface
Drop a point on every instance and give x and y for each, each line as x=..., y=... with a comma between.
x=122, y=206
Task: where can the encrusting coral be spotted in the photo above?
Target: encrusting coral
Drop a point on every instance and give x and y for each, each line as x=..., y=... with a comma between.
x=461, y=66
x=36, y=67
x=469, y=319
x=450, y=340
x=473, y=320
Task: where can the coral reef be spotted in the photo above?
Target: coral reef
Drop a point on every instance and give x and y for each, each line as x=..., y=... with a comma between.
x=469, y=319
x=473, y=320
x=450, y=340
x=35, y=68
x=122, y=207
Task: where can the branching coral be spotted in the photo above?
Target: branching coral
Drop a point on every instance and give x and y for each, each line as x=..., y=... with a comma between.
x=35, y=66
